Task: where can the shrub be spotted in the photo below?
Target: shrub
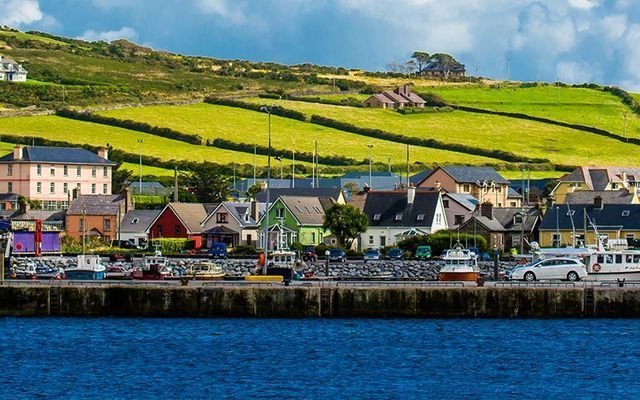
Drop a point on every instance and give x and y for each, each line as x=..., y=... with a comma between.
x=270, y=96
x=441, y=241
x=244, y=250
x=433, y=100
x=171, y=245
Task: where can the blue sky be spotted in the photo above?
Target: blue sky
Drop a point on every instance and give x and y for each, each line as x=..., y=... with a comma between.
x=573, y=40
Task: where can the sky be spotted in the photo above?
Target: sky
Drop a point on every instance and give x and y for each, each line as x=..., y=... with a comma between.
x=540, y=40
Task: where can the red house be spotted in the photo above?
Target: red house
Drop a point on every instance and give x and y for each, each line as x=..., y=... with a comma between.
x=179, y=220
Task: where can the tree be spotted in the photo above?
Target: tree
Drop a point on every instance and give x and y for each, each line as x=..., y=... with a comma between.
x=446, y=62
x=410, y=67
x=253, y=191
x=351, y=187
x=120, y=179
x=346, y=222
x=207, y=182
x=422, y=60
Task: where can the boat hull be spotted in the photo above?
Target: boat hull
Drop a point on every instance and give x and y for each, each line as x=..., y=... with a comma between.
x=612, y=276
x=85, y=275
x=209, y=277
x=458, y=276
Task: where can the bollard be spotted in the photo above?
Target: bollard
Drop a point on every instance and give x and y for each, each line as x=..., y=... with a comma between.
x=184, y=281
x=480, y=281
x=621, y=282
x=326, y=267
x=496, y=260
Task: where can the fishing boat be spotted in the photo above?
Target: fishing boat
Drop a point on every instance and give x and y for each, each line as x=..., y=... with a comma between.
x=89, y=267
x=460, y=264
x=118, y=272
x=155, y=267
x=206, y=271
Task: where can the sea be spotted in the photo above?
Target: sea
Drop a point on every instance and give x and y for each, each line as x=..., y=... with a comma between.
x=131, y=358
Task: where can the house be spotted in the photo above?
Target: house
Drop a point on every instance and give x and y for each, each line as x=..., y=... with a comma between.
x=438, y=69
x=50, y=174
x=11, y=71
x=400, y=97
x=134, y=227
x=394, y=216
x=24, y=224
x=504, y=228
x=295, y=219
x=458, y=208
x=97, y=215
x=483, y=183
x=180, y=220
x=595, y=178
x=620, y=196
x=569, y=225
x=153, y=188
x=232, y=223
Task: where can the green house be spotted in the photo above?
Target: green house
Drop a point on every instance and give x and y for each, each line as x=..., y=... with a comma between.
x=295, y=219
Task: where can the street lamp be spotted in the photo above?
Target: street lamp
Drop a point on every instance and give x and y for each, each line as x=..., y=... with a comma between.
x=140, y=166
x=370, y=146
x=266, y=216
x=279, y=159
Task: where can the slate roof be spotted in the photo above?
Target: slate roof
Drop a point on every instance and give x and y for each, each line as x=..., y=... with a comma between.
x=147, y=185
x=504, y=219
x=9, y=197
x=144, y=219
x=419, y=177
x=44, y=215
x=395, y=97
x=391, y=204
x=466, y=174
x=610, y=217
x=622, y=196
x=191, y=215
x=96, y=204
x=383, y=98
x=466, y=200
x=307, y=210
x=57, y=155
x=333, y=193
x=597, y=178
x=513, y=194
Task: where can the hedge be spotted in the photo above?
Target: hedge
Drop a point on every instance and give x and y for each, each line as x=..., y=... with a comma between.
x=423, y=110
x=349, y=101
x=263, y=150
x=432, y=143
x=279, y=111
x=441, y=241
x=131, y=125
x=171, y=245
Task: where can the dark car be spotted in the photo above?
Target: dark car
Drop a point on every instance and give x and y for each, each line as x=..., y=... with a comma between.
x=395, y=254
x=218, y=250
x=309, y=254
x=337, y=255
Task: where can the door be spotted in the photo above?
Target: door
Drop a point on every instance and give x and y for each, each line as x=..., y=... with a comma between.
x=545, y=270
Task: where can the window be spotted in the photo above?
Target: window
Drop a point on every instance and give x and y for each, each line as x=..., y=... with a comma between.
x=556, y=240
x=81, y=224
x=78, y=171
x=104, y=188
x=222, y=218
x=52, y=187
x=445, y=203
x=9, y=169
x=398, y=217
x=618, y=258
x=279, y=212
x=517, y=219
x=512, y=204
x=105, y=172
x=106, y=224
x=51, y=205
x=570, y=213
x=64, y=204
x=177, y=229
x=65, y=170
x=466, y=188
x=65, y=188
x=370, y=240
x=383, y=241
x=52, y=170
x=313, y=237
x=38, y=169
x=376, y=217
x=9, y=187
x=499, y=189
x=438, y=218
x=614, y=186
x=631, y=235
x=625, y=213
x=135, y=221
x=458, y=220
x=93, y=171
x=93, y=188
x=420, y=217
x=38, y=187
x=78, y=187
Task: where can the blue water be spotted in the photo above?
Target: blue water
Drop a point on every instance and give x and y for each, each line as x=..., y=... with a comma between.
x=324, y=359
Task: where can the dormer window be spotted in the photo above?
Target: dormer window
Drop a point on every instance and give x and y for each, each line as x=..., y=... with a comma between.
x=466, y=188
x=625, y=213
x=135, y=221
x=398, y=217
x=420, y=217
x=570, y=213
x=376, y=217
x=517, y=219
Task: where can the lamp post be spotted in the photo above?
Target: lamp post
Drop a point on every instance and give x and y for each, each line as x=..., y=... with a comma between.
x=266, y=216
x=140, y=166
x=370, y=146
x=279, y=159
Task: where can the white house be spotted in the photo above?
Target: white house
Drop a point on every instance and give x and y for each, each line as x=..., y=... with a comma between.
x=232, y=223
x=11, y=71
x=394, y=216
x=135, y=225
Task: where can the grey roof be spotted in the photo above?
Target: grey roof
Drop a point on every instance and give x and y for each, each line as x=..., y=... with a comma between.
x=419, y=177
x=44, y=215
x=138, y=221
x=333, y=193
x=388, y=205
x=466, y=200
x=382, y=98
x=58, y=155
x=599, y=178
x=9, y=197
x=622, y=196
x=191, y=215
x=96, y=204
x=237, y=210
x=307, y=210
x=466, y=174
x=610, y=217
x=147, y=185
x=513, y=194
x=504, y=219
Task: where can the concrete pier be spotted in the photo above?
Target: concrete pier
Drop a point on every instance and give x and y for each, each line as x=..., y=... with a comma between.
x=330, y=302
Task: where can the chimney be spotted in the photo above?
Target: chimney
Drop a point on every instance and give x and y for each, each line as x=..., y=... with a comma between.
x=255, y=210
x=103, y=153
x=411, y=195
x=486, y=210
x=18, y=152
x=366, y=188
x=597, y=202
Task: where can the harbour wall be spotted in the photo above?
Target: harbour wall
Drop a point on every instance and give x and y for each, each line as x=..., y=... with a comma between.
x=331, y=302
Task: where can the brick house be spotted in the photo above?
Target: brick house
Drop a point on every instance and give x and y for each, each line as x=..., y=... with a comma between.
x=400, y=97
x=97, y=215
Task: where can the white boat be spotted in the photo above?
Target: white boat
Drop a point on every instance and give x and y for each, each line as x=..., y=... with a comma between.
x=89, y=267
x=206, y=271
x=603, y=264
x=155, y=267
x=460, y=264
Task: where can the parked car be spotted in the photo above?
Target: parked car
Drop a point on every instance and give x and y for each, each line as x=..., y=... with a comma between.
x=395, y=254
x=309, y=254
x=337, y=255
x=372, y=254
x=218, y=250
x=550, y=268
x=423, y=252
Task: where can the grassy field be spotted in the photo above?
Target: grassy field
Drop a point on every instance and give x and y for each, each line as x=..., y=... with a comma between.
x=146, y=170
x=517, y=175
x=29, y=36
x=63, y=129
x=528, y=138
x=212, y=121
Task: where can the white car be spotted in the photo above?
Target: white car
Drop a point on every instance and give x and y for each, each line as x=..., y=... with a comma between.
x=551, y=268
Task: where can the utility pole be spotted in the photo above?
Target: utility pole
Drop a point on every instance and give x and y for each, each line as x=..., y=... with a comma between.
x=315, y=147
x=389, y=161
x=313, y=166
x=558, y=89
x=266, y=216
x=293, y=168
x=370, y=146
x=408, y=167
x=140, y=166
x=255, y=152
x=175, y=183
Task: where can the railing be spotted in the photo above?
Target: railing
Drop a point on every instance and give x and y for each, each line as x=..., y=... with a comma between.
x=397, y=283
x=513, y=284
x=239, y=283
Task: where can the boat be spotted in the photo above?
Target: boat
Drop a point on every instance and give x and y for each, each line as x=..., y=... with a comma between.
x=206, y=271
x=460, y=264
x=118, y=272
x=89, y=267
x=155, y=267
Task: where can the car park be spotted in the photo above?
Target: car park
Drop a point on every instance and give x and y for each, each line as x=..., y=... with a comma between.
x=550, y=269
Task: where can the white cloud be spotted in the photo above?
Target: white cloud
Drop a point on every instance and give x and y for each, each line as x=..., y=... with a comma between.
x=109, y=36
x=584, y=4
x=19, y=12
x=574, y=72
x=231, y=11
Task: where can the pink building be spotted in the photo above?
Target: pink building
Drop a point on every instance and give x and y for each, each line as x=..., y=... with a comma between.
x=50, y=174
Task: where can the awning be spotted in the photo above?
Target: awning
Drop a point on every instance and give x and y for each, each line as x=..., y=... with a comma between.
x=220, y=230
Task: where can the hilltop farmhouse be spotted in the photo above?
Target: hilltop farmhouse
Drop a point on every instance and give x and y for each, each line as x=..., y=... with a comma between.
x=11, y=71
x=400, y=97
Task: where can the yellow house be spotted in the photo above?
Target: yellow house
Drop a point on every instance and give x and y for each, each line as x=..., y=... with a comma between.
x=595, y=178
